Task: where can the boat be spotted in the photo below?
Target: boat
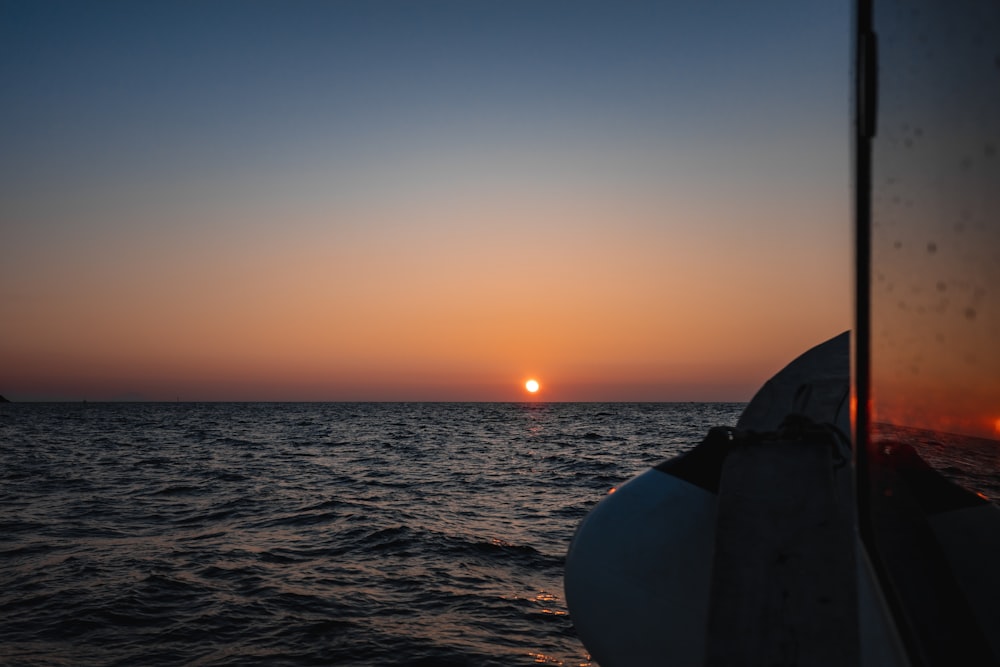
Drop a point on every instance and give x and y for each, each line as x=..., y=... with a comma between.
x=748, y=545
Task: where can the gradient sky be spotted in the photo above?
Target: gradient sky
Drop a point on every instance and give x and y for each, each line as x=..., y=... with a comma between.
x=936, y=221
x=420, y=200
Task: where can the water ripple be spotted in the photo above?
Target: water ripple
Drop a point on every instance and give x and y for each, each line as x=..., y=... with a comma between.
x=307, y=534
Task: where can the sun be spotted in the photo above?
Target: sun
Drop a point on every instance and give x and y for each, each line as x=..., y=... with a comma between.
x=532, y=386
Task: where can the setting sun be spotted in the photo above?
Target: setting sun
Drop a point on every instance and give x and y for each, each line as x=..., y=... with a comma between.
x=531, y=386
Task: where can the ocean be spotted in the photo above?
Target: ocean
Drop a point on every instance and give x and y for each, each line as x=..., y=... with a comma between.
x=367, y=534
x=971, y=462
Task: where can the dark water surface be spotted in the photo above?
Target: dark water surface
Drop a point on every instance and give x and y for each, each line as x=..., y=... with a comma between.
x=969, y=461
x=308, y=534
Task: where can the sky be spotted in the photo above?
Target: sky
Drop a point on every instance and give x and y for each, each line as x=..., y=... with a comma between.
x=935, y=214
x=414, y=200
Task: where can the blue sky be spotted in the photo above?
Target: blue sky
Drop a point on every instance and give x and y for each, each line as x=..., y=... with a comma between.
x=164, y=162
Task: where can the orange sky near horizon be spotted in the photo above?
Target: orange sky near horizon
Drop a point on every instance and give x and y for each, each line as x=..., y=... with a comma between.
x=618, y=240
x=596, y=315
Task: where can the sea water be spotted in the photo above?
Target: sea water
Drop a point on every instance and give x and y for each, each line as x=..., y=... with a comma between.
x=971, y=462
x=308, y=534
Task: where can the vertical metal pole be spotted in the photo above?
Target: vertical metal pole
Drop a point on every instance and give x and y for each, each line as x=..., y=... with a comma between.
x=865, y=91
